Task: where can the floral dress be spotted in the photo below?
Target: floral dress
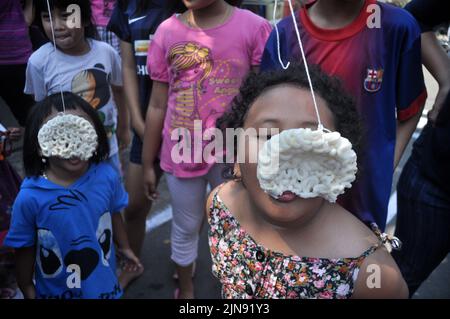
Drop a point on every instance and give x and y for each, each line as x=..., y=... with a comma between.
x=248, y=270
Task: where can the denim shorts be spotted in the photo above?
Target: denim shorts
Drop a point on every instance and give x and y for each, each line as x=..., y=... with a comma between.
x=136, y=155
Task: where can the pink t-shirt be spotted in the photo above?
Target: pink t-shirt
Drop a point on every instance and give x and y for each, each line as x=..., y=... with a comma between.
x=204, y=69
x=102, y=11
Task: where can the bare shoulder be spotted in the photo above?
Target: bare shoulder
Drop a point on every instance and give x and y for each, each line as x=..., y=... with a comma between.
x=380, y=277
x=352, y=237
x=222, y=191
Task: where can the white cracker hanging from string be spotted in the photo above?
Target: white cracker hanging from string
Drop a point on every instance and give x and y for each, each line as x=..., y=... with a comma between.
x=311, y=164
x=308, y=163
x=68, y=136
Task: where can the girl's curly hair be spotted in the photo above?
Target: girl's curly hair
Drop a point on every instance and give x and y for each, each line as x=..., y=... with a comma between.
x=346, y=118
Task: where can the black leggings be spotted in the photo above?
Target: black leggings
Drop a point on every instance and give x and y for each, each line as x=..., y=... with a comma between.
x=11, y=91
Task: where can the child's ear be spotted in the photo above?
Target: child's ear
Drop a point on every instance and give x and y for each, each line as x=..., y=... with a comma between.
x=95, y=102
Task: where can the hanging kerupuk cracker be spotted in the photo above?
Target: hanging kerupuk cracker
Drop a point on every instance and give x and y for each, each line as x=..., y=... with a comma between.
x=68, y=136
x=308, y=163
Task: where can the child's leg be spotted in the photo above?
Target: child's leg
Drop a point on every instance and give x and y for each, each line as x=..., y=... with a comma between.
x=135, y=216
x=138, y=204
x=188, y=196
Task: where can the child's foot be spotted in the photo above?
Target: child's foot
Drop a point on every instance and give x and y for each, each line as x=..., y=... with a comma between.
x=127, y=276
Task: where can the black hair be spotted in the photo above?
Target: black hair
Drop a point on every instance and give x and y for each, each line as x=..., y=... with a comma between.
x=85, y=9
x=100, y=76
x=32, y=159
x=346, y=118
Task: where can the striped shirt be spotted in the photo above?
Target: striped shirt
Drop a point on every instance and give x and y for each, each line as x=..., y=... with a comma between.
x=15, y=44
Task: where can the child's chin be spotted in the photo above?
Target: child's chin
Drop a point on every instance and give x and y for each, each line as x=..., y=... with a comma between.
x=75, y=164
x=284, y=216
x=65, y=44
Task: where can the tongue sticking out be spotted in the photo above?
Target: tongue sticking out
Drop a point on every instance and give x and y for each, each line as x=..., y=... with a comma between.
x=287, y=196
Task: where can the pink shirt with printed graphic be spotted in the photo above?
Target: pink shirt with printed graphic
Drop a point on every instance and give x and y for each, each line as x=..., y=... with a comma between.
x=102, y=11
x=204, y=69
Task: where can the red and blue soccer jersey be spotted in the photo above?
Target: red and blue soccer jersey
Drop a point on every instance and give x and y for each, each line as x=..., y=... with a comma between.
x=381, y=67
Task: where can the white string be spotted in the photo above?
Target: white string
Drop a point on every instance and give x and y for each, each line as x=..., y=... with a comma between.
x=56, y=52
x=320, y=126
x=278, y=37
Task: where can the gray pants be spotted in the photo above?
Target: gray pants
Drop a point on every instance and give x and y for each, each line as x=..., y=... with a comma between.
x=188, y=206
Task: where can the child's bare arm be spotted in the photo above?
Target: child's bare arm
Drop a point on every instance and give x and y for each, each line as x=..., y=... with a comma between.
x=130, y=85
x=405, y=130
x=437, y=62
x=123, y=121
x=121, y=240
x=380, y=278
x=153, y=135
x=25, y=260
x=119, y=233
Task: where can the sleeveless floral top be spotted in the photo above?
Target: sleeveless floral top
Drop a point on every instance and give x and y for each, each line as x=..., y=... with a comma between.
x=247, y=270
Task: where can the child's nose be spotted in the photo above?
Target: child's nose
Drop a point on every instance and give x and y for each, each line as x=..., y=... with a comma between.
x=59, y=23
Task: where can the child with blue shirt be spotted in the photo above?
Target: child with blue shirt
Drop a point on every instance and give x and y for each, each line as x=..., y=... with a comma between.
x=66, y=215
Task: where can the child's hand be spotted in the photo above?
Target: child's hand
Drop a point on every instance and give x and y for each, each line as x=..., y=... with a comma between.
x=123, y=136
x=132, y=263
x=150, y=183
x=433, y=114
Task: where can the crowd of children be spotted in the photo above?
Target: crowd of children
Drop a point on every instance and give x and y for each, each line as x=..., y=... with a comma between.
x=155, y=69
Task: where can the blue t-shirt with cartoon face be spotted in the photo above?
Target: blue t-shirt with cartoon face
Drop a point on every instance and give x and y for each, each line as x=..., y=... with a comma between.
x=71, y=228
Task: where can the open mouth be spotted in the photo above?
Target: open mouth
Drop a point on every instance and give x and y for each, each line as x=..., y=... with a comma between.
x=62, y=37
x=287, y=197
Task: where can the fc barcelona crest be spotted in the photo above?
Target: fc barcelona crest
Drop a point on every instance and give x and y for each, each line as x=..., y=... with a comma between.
x=372, y=83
